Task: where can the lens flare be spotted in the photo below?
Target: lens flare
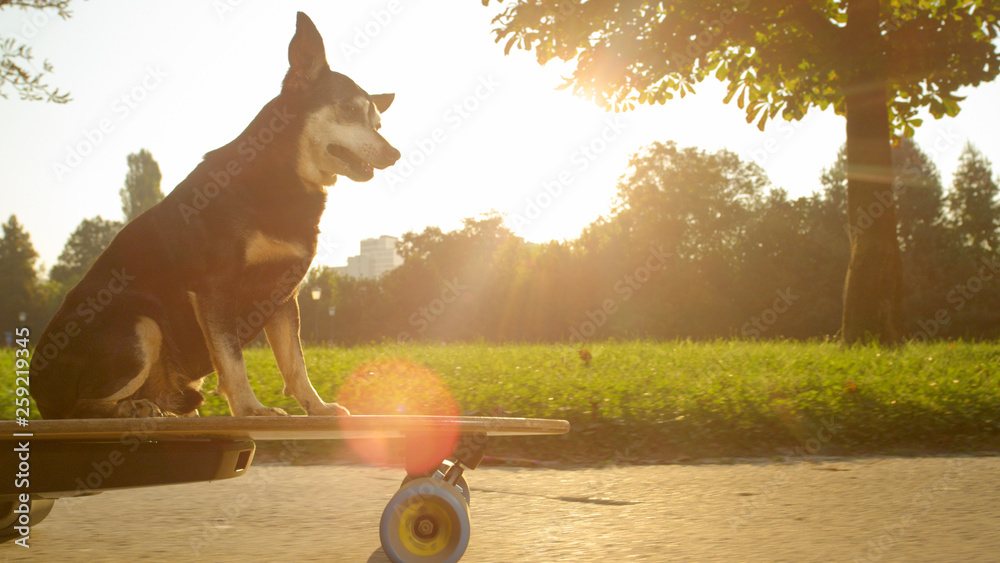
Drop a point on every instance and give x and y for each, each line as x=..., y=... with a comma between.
x=400, y=387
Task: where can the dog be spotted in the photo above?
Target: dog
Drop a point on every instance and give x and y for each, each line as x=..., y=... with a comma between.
x=183, y=287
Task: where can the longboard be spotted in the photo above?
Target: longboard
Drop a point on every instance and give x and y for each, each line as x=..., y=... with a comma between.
x=280, y=428
x=427, y=520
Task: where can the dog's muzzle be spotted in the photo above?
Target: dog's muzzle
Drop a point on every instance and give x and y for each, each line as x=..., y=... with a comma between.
x=359, y=167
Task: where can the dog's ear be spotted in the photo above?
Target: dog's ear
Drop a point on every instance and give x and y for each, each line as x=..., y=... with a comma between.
x=306, y=54
x=383, y=101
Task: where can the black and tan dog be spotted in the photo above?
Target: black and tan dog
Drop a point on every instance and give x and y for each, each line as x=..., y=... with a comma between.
x=187, y=284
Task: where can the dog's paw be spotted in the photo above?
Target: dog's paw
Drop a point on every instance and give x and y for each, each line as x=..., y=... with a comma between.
x=139, y=408
x=329, y=409
x=261, y=410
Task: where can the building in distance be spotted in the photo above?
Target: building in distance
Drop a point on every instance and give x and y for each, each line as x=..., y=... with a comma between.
x=378, y=256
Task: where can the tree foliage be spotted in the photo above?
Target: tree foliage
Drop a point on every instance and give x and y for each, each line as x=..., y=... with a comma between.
x=85, y=244
x=776, y=57
x=975, y=211
x=18, y=279
x=694, y=202
x=17, y=68
x=142, y=185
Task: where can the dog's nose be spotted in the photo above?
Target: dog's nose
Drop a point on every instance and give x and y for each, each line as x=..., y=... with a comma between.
x=386, y=157
x=393, y=154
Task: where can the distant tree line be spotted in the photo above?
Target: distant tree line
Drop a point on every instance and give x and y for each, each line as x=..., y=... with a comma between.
x=699, y=245
x=24, y=290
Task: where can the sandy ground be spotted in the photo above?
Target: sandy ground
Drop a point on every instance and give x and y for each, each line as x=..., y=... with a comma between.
x=870, y=509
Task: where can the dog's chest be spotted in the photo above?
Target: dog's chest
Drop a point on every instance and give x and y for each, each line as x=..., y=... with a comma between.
x=272, y=268
x=261, y=249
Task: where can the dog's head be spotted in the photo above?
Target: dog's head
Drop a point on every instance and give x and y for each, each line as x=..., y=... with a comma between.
x=340, y=135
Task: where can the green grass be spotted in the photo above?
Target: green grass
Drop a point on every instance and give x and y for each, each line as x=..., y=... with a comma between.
x=640, y=401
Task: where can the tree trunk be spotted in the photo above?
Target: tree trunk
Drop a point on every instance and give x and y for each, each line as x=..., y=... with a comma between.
x=873, y=306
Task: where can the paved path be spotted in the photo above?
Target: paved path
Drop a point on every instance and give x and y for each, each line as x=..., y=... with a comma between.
x=875, y=509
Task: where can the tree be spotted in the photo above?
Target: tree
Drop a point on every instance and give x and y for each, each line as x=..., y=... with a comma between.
x=667, y=260
x=917, y=187
x=973, y=205
x=927, y=246
x=16, y=67
x=142, y=185
x=471, y=266
x=694, y=202
x=85, y=244
x=17, y=274
x=875, y=62
x=919, y=198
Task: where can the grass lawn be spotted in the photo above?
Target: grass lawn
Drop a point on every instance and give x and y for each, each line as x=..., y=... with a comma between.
x=638, y=401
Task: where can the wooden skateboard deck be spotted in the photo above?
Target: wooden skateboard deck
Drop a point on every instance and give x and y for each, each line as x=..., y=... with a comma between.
x=280, y=428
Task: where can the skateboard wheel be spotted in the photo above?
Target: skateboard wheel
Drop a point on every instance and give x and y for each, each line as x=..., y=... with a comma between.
x=39, y=509
x=425, y=522
x=461, y=484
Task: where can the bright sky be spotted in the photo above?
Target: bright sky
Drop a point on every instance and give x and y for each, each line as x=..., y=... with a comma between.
x=478, y=131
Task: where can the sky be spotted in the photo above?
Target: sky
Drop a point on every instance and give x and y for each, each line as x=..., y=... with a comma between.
x=479, y=131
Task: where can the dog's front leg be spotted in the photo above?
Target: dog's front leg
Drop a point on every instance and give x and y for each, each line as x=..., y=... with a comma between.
x=282, y=331
x=218, y=323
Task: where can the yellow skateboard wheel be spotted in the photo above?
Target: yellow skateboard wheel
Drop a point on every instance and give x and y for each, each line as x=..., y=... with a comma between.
x=426, y=521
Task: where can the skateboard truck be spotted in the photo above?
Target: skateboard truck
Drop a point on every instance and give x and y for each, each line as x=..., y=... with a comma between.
x=470, y=449
x=469, y=452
